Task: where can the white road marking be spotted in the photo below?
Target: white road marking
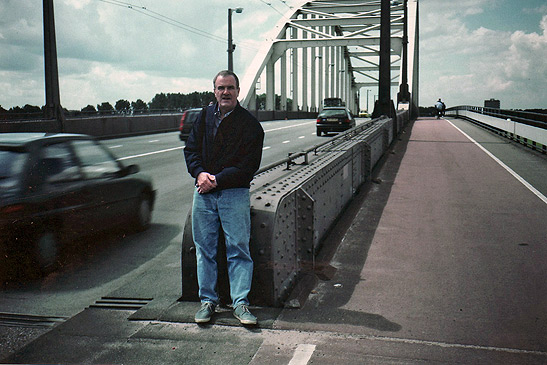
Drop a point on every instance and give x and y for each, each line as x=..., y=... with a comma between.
x=301, y=137
x=302, y=354
x=154, y=140
x=286, y=142
x=515, y=175
x=179, y=148
x=266, y=148
x=150, y=153
x=289, y=126
x=454, y=345
x=117, y=146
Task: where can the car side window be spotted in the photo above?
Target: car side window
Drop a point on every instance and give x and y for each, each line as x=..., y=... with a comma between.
x=95, y=161
x=11, y=163
x=57, y=164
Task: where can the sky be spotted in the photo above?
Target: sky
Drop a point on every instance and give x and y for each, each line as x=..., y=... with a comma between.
x=470, y=50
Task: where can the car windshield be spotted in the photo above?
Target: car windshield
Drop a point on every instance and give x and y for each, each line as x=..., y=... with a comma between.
x=333, y=113
x=96, y=162
x=11, y=165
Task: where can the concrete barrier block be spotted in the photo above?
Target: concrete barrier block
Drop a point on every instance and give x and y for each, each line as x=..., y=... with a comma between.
x=292, y=210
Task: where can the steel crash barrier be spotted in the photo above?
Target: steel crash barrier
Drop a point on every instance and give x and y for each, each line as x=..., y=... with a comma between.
x=113, y=126
x=294, y=203
x=527, y=128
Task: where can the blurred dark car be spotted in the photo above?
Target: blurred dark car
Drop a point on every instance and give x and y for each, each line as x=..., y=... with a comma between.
x=189, y=117
x=334, y=119
x=56, y=188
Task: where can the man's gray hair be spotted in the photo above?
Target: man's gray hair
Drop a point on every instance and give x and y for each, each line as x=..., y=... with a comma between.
x=225, y=73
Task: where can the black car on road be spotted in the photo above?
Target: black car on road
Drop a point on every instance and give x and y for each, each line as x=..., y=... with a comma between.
x=334, y=119
x=56, y=188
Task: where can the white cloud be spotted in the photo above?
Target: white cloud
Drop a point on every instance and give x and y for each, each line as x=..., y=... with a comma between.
x=541, y=10
x=465, y=66
x=118, y=83
x=77, y=4
x=108, y=52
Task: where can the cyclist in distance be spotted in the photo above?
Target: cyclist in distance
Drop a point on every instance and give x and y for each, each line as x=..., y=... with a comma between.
x=440, y=108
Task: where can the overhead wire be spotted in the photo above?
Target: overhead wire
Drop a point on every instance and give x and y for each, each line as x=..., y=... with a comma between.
x=285, y=3
x=155, y=15
x=168, y=20
x=273, y=8
x=163, y=18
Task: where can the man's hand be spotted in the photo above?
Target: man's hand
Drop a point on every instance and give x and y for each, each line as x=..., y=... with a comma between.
x=206, y=182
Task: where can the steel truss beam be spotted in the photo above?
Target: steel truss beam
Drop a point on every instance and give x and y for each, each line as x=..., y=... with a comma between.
x=330, y=49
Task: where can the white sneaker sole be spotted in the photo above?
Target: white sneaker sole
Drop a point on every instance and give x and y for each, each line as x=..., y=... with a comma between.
x=245, y=321
x=202, y=320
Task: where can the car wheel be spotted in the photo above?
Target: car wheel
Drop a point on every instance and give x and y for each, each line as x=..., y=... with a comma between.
x=46, y=250
x=143, y=213
x=318, y=133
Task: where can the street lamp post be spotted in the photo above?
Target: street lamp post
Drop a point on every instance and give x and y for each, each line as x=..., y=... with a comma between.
x=231, y=45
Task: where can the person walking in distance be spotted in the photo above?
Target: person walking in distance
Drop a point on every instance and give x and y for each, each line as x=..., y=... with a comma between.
x=222, y=153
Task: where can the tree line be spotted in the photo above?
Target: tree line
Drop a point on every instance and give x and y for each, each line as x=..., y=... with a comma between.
x=160, y=102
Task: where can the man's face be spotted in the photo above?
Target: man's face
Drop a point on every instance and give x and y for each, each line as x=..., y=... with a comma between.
x=226, y=93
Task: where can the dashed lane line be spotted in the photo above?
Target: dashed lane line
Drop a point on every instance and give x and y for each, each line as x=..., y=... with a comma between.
x=179, y=148
x=150, y=153
x=289, y=126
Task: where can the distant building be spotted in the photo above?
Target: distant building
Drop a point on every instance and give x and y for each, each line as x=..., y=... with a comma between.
x=492, y=103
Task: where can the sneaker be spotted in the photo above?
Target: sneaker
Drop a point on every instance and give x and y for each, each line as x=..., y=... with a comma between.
x=242, y=313
x=205, y=313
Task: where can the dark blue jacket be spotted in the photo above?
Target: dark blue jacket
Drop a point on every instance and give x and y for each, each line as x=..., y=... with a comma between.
x=233, y=155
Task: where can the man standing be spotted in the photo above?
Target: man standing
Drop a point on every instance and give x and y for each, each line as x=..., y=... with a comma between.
x=222, y=153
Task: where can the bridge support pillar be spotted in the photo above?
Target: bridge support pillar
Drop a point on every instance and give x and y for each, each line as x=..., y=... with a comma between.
x=270, y=85
x=283, y=61
x=305, y=105
x=295, y=73
x=53, y=109
x=320, y=77
x=384, y=104
x=404, y=96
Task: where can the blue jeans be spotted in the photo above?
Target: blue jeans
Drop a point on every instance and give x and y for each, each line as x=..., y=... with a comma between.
x=229, y=209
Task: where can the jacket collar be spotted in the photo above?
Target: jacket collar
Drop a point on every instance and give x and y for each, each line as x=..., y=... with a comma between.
x=217, y=110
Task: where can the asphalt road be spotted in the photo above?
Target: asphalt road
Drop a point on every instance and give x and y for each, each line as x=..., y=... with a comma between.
x=143, y=265
x=423, y=273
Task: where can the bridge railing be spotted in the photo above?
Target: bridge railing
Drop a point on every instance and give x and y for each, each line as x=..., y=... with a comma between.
x=528, y=128
x=112, y=124
x=294, y=203
x=106, y=126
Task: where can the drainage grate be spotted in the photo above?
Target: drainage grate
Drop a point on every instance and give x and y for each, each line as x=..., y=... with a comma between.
x=121, y=303
x=29, y=320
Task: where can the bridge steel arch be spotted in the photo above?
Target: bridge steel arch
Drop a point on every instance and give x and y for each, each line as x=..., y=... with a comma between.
x=330, y=48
